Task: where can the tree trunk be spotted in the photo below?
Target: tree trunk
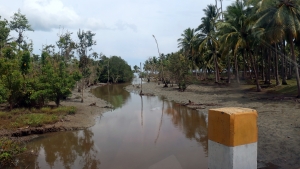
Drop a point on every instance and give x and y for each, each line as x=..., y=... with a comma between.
x=295, y=66
x=228, y=69
x=258, y=88
x=276, y=66
x=216, y=69
x=268, y=66
x=283, y=68
x=236, y=69
x=82, y=88
x=263, y=78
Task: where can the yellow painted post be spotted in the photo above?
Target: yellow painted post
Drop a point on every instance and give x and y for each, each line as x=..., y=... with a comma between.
x=232, y=138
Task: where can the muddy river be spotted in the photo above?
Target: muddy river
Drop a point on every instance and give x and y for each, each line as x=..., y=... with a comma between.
x=146, y=132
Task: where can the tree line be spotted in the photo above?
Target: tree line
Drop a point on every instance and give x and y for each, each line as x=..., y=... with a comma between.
x=251, y=39
x=28, y=79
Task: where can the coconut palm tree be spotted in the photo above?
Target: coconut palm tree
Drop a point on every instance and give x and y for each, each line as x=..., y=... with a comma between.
x=189, y=43
x=208, y=31
x=232, y=31
x=285, y=18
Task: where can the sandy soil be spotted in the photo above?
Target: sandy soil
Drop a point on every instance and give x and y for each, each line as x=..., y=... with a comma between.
x=85, y=114
x=278, y=117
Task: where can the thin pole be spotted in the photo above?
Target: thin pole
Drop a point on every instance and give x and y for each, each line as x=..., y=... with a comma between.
x=141, y=78
x=160, y=60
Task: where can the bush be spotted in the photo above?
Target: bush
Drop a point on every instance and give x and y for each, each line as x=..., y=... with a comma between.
x=9, y=149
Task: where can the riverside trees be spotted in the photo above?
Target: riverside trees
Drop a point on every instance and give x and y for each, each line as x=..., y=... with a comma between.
x=28, y=80
x=254, y=40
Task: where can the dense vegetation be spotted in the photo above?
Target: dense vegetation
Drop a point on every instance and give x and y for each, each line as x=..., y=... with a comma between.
x=251, y=39
x=31, y=80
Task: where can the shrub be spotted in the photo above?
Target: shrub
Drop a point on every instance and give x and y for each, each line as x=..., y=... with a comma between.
x=9, y=149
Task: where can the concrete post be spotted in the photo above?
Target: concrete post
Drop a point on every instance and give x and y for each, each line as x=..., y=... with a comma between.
x=232, y=138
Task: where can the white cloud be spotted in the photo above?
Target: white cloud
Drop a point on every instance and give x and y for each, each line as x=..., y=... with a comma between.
x=46, y=15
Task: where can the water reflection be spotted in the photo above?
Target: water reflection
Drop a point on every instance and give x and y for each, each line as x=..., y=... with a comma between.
x=64, y=150
x=191, y=122
x=114, y=94
x=142, y=132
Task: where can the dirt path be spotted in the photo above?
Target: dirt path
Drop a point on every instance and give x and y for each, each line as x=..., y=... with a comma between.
x=278, y=117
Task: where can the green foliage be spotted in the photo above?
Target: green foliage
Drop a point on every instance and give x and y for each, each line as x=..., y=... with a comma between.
x=22, y=117
x=35, y=120
x=25, y=63
x=117, y=69
x=3, y=92
x=19, y=23
x=178, y=68
x=4, y=33
x=9, y=149
x=136, y=69
x=54, y=82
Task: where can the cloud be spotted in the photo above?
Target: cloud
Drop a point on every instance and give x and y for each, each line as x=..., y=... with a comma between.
x=123, y=25
x=48, y=14
x=45, y=15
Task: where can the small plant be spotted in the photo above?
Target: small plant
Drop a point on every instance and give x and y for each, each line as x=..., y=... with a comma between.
x=45, y=110
x=65, y=110
x=3, y=115
x=9, y=149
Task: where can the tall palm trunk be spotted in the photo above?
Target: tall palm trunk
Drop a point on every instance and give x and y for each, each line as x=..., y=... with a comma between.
x=258, y=88
x=276, y=66
x=268, y=66
x=295, y=66
x=283, y=68
x=228, y=69
x=216, y=69
x=236, y=69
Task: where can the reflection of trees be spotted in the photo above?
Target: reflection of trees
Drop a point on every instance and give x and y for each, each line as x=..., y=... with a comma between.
x=67, y=148
x=190, y=121
x=114, y=94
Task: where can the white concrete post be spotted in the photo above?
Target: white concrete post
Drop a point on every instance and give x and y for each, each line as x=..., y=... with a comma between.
x=232, y=138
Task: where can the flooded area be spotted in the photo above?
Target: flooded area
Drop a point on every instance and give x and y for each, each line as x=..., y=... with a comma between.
x=140, y=132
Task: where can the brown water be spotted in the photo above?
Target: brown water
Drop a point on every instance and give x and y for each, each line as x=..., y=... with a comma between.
x=141, y=132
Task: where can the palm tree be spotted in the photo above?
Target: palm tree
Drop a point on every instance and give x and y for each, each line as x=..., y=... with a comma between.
x=210, y=42
x=232, y=32
x=189, y=43
x=285, y=16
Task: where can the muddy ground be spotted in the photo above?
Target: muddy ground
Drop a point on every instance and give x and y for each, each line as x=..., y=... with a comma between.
x=278, y=117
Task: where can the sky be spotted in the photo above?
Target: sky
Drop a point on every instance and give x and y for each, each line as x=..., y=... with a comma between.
x=123, y=27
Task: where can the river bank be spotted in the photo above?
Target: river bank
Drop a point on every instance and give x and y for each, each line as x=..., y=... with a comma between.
x=278, y=117
x=84, y=116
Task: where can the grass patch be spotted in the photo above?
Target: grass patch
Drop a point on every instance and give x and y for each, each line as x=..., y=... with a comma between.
x=35, y=120
x=290, y=89
x=18, y=118
x=9, y=149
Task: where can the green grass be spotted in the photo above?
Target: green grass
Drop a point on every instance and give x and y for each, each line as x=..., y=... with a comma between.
x=35, y=120
x=9, y=148
x=18, y=118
